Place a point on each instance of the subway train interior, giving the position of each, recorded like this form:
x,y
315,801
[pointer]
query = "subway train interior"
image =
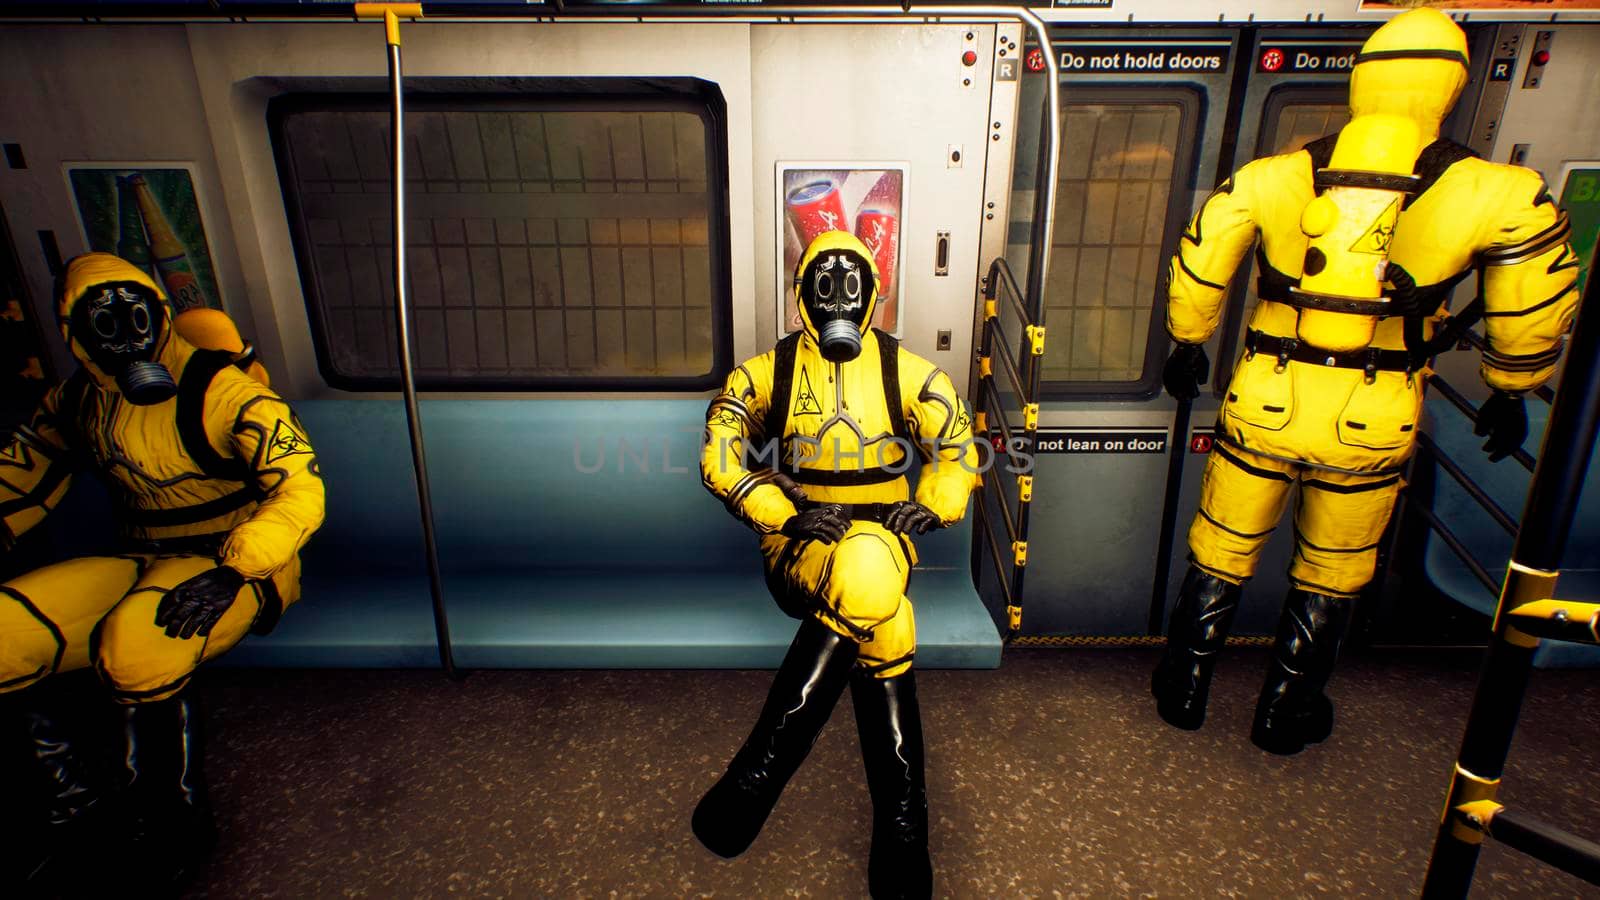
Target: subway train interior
x,y
407,586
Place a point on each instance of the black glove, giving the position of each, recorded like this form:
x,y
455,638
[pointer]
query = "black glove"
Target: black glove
x,y
1187,368
906,516
196,605
1504,420
826,523
1404,299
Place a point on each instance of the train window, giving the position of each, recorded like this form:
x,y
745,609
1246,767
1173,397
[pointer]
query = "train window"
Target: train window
x,y
1124,155
1292,117
572,242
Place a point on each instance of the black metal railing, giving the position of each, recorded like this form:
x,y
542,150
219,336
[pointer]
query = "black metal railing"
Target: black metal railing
x,y
1525,614
994,423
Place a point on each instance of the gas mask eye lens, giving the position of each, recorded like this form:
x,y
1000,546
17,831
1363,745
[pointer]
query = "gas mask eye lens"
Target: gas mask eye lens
x,y
140,316
104,322
852,284
824,285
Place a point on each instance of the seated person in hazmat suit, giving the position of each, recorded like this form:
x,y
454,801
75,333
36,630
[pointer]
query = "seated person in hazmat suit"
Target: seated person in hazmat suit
x,y
1328,390
216,489
842,410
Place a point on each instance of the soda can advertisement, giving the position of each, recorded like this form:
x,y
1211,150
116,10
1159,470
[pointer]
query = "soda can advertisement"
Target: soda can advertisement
x,y
879,229
866,199
815,208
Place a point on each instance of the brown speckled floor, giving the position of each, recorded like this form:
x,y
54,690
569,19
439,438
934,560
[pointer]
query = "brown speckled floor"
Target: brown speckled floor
x,y
1051,776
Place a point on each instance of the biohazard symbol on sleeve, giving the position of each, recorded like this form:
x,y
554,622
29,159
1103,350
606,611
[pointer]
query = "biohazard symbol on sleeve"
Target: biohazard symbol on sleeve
x,y
805,402
285,441
1378,235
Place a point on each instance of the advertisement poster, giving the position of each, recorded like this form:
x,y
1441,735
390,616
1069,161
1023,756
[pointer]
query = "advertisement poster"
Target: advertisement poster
x,y
1580,197
866,199
148,214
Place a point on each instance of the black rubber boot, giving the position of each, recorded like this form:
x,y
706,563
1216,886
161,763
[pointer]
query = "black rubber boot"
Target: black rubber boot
x,y
167,809
1293,710
802,697
890,726
1197,632
58,809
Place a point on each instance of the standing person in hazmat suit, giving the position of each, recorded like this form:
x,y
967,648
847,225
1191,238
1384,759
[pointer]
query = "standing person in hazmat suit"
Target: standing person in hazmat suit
x,y
1329,389
216,489
843,409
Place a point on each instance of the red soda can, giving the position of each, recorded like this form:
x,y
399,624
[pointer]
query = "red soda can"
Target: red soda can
x,y
815,208
879,229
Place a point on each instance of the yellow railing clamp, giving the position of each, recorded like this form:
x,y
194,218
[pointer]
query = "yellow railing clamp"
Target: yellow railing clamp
x,y
1467,789
1020,550
990,310
1030,416
390,13
1036,338
1563,620
983,422
1523,585
985,367
1014,616
1025,488
1477,816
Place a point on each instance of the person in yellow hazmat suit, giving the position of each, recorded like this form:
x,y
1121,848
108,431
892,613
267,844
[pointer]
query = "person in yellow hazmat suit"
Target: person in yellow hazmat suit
x,y
808,444
216,489
1328,390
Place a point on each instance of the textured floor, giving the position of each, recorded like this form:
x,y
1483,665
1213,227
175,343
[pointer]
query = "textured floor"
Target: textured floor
x,y
1051,776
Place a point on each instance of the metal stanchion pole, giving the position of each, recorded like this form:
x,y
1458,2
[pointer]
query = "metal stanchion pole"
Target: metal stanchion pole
x,y
391,24
1535,563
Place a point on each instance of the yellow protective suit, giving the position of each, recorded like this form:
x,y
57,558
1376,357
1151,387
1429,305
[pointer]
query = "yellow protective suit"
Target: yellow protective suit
x,y
1342,423
847,433
222,473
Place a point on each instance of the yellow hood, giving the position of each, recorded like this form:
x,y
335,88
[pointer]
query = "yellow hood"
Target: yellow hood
x,y
835,240
1414,66
87,272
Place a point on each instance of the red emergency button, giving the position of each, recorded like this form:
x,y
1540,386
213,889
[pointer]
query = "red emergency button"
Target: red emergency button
x,y
1540,57
969,58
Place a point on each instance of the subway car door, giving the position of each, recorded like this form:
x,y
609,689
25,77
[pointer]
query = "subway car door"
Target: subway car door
x,y
1143,125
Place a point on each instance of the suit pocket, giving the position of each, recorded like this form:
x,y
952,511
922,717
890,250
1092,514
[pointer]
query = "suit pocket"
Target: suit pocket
x,y
1381,415
1259,396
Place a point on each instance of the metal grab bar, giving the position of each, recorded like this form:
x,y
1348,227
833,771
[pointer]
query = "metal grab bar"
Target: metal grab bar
x,y
1459,401
991,411
1495,510
1456,546
1530,582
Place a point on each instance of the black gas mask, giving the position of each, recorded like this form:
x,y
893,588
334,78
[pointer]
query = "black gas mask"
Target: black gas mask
x,y
836,287
119,324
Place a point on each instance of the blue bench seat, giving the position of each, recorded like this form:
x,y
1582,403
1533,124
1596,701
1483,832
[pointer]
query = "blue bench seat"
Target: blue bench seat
x,y
549,563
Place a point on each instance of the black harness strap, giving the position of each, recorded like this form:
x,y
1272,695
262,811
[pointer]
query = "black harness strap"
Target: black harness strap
x,y
782,386
889,357
197,377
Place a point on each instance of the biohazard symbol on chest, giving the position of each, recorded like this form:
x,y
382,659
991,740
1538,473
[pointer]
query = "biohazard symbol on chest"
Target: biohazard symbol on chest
x,y
805,400
1376,238
15,454
285,441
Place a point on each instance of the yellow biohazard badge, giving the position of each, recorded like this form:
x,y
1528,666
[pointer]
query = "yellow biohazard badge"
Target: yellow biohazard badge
x,y
805,402
1375,239
285,441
